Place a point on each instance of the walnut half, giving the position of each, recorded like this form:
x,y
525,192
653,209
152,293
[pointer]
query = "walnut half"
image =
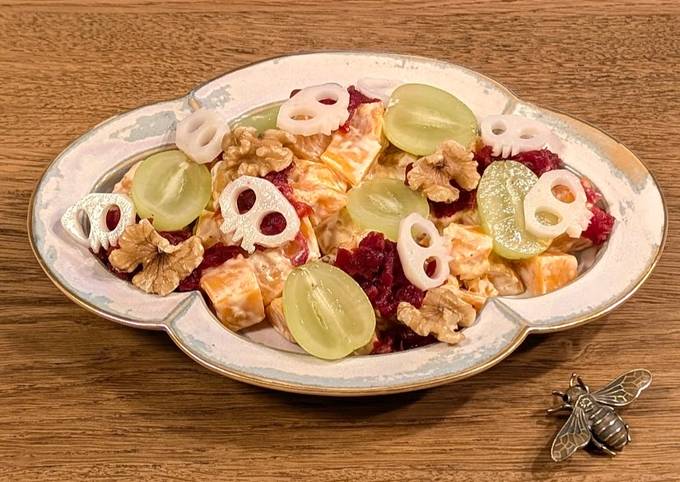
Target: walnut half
x,y
163,265
247,154
432,175
442,313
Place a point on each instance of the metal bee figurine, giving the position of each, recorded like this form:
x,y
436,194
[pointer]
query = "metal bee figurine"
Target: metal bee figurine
x,y
593,418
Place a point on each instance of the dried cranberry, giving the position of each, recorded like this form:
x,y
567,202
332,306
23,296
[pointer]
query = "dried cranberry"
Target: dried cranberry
x,y
103,256
112,218
273,223
245,201
539,161
484,158
356,98
600,227
191,282
218,253
280,180
213,256
399,338
375,265
466,200
592,196
177,237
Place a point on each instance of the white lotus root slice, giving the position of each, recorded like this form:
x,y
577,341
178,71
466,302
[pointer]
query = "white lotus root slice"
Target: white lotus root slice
x,y
304,114
511,134
377,88
413,256
96,206
245,228
572,218
200,135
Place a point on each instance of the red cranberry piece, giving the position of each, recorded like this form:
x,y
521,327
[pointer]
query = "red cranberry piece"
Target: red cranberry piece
x,y
176,237
484,158
280,180
540,161
273,223
592,196
112,218
245,201
600,227
375,265
466,200
213,256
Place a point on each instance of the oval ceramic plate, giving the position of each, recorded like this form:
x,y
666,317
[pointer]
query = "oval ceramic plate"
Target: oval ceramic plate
x,y
99,158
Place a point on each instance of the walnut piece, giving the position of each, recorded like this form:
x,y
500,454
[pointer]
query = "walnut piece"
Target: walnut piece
x,y
442,312
247,154
163,265
257,156
432,175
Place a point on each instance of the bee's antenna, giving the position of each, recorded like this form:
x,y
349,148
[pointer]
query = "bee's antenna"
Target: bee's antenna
x,y
557,393
572,380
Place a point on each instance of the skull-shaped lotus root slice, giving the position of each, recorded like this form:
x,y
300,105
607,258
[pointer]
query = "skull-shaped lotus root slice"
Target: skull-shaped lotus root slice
x,y
509,135
416,253
571,217
200,135
305,113
96,206
245,228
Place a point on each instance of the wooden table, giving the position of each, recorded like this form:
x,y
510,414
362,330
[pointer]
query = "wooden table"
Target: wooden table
x,y
85,398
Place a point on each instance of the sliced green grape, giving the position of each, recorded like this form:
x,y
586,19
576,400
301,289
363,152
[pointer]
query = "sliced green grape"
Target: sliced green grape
x,y
261,119
170,189
420,117
327,312
380,205
500,198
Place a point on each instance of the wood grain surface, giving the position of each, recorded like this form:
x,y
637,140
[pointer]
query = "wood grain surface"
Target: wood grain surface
x,y
84,398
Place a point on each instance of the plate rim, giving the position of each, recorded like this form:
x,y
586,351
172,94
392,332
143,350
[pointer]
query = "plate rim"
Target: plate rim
x,y
523,332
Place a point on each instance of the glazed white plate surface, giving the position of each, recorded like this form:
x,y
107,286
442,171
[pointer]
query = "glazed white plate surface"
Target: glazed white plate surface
x,y
99,158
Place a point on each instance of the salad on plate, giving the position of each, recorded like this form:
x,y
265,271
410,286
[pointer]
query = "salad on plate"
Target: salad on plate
x,y
361,220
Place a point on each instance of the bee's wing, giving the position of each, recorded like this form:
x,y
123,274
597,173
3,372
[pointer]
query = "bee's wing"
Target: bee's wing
x,y
574,435
624,389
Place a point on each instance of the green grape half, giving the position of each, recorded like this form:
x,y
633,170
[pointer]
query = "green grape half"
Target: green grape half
x,y
261,119
170,189
327,312
420,117
380,205
500,200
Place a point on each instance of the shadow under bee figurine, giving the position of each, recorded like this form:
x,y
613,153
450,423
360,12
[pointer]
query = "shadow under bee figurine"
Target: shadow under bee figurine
x,y
593,418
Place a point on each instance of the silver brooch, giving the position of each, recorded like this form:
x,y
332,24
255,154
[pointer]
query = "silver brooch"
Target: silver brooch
x,y
593,419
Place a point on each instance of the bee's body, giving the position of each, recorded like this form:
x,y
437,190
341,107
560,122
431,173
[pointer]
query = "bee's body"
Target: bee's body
x,y
593,418
606,426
